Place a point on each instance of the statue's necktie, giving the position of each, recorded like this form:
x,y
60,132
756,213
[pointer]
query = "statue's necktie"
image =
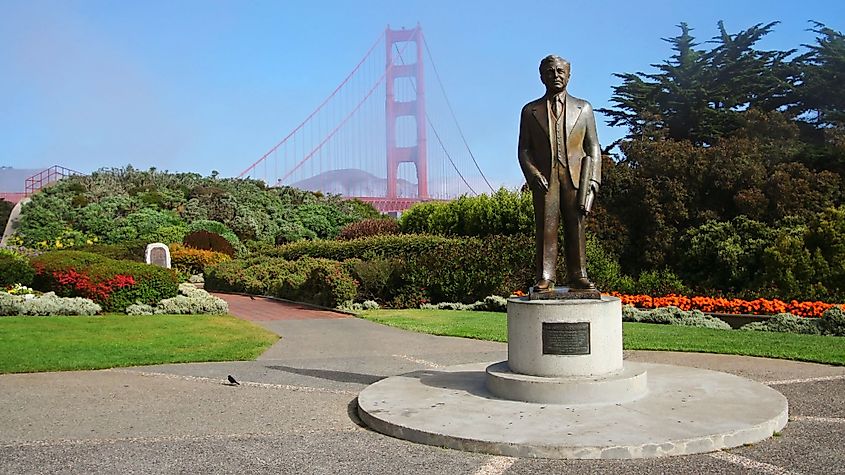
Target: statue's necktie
x,y
557,106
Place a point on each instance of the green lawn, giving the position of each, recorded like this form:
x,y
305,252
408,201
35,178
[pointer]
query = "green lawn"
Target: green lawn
x,y
29,344
636,336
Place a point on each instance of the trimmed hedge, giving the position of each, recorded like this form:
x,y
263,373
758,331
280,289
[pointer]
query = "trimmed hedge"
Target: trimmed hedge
x,y
133,250
318,281
111,283
421,269
410,270
369,227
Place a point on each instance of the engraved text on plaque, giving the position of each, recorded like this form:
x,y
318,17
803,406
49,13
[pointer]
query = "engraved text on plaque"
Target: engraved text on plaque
x,y
566,338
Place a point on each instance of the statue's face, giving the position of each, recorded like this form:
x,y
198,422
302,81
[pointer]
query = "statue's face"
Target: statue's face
x,y
555,76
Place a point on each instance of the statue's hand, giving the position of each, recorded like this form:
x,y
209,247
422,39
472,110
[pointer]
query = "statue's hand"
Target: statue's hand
x,y
541,182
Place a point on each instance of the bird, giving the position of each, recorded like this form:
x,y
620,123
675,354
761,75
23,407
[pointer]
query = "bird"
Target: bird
x,y
232,381
251,297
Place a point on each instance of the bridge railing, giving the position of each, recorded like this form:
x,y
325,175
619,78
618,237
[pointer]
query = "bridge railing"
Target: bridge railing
x,y
45,177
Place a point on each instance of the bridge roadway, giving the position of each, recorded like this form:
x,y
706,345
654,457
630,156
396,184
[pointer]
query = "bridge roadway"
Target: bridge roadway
x,y
295,411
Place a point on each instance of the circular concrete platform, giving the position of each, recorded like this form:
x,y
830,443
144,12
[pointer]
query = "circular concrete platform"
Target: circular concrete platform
x,y
627,385
685,411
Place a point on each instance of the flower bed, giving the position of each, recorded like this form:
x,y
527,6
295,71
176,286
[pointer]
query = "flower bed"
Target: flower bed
x,y
731,306
110,283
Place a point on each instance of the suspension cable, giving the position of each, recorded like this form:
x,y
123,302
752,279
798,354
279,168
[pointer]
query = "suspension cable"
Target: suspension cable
x,y
343,83
454,117
436,135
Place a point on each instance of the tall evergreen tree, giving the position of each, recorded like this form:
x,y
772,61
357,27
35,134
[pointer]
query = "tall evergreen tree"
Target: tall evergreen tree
x,y
697,94
821,94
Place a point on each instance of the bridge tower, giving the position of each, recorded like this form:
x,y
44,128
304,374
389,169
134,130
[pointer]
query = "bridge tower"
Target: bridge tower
x,y
415,108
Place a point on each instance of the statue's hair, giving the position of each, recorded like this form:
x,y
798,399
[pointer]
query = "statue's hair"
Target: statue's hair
x,y
552,59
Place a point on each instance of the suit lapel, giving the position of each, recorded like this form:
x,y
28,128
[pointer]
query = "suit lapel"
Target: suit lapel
x,y
573,111
541,112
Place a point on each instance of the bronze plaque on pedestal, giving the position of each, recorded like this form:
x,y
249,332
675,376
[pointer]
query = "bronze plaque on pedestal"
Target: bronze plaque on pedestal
x,y
566,338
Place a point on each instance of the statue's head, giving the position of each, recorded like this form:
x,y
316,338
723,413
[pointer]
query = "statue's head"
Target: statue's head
x,y
554,73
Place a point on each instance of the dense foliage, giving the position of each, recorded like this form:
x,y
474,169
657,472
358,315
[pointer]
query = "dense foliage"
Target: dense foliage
x,y
110,283
120,205
731,172
369,227
318,281
15,269
193,261
409,270
503,213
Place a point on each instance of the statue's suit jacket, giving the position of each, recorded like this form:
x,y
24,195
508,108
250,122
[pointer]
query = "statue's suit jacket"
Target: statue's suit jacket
x,y
535,148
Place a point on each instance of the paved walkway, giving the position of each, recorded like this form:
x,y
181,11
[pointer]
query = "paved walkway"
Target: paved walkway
x,y
294,411
256,309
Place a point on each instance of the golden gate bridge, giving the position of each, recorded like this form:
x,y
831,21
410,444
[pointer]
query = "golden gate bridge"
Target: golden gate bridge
x,y
373,139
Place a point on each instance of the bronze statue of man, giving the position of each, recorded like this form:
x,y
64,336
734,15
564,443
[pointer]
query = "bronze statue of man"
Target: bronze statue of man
x,y
560,156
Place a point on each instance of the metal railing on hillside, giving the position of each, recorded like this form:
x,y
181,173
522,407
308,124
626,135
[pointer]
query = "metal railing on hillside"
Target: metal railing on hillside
x,y
47,176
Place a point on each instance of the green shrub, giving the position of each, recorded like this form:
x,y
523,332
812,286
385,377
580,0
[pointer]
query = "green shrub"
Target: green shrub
x,y
318,281
504,212
833,322
191,301
114,284
377,278
291,231
434,268
194,261
46,305
673,316
331,283
169,234
367,228
726,255
129,250
786,323
323,219
15,269
662,282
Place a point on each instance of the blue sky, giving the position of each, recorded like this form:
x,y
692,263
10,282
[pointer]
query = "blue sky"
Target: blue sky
x,y
211,85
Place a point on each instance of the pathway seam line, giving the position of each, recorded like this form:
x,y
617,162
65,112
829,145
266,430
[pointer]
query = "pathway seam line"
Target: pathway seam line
x,y
805,380
832,420
202,379
751,464
496,465
423,362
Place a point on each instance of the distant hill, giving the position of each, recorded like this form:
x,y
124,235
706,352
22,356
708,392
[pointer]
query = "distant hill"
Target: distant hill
x,y
12,179
353,182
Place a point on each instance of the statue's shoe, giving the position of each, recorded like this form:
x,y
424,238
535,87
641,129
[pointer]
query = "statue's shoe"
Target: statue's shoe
x,y
544,284
581,283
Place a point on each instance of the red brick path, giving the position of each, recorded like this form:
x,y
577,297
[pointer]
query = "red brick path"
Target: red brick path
x,y
264,309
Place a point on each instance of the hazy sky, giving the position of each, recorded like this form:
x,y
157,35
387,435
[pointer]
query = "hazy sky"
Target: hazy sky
x,y
211,85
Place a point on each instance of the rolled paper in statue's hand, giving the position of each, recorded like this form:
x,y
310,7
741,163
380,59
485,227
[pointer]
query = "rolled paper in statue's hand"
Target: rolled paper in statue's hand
x,y
588,202
585,191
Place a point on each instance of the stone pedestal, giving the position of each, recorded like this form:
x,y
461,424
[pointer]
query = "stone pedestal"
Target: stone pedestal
x,y
563,338
566,352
